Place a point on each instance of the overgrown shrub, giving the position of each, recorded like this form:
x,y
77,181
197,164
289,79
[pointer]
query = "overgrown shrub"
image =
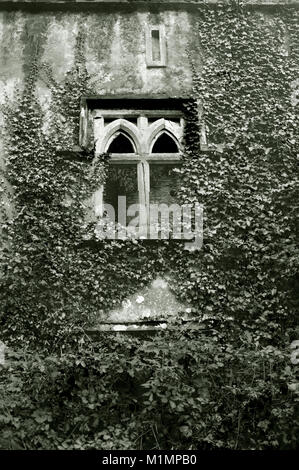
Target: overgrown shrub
x,y
180,390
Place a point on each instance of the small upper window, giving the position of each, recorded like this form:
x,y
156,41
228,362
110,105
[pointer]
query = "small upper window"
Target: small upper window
x,y
156,52
156,46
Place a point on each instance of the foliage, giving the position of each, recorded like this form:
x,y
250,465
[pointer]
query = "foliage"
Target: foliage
x,y
182,390
226,386
41,241
248,181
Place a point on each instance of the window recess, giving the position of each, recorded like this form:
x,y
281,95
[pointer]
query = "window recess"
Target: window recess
x,y
155,46
142,157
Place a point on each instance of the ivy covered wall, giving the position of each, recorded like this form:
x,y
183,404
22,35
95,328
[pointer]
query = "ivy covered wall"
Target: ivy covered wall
x,y
230,383
240,67
114,51
114,48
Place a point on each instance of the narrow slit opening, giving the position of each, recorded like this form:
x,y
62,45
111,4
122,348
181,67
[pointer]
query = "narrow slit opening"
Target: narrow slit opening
x,y
156,53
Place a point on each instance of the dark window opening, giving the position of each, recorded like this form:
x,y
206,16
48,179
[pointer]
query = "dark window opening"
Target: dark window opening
x,y
132,120
156,53
153,119
121,181
165,144
121,144
175,120
165,186
108,121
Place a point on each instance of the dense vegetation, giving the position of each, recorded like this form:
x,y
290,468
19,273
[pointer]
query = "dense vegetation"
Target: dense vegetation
x,y
229,384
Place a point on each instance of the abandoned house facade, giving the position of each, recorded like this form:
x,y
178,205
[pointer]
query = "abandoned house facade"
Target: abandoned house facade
x,y
138,55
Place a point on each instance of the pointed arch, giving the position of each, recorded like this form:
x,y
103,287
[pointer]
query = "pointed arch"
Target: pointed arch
x,y
163,126
120,142
129,130
164,143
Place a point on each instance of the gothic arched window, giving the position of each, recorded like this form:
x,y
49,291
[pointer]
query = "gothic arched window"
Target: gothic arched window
x,y
121,144
165,144
144,148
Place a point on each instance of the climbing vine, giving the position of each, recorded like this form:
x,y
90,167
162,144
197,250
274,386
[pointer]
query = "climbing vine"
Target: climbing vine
x,y
247,181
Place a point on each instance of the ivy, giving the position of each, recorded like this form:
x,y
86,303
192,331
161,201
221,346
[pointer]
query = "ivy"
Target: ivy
x,y
181,390
248,182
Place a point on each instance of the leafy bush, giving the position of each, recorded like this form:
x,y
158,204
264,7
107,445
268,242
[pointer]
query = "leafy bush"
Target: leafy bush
x,y
177,391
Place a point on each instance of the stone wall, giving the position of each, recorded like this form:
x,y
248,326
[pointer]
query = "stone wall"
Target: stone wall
x,y
115,48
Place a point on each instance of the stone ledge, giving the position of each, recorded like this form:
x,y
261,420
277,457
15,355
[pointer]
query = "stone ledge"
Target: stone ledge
x,y
140,328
